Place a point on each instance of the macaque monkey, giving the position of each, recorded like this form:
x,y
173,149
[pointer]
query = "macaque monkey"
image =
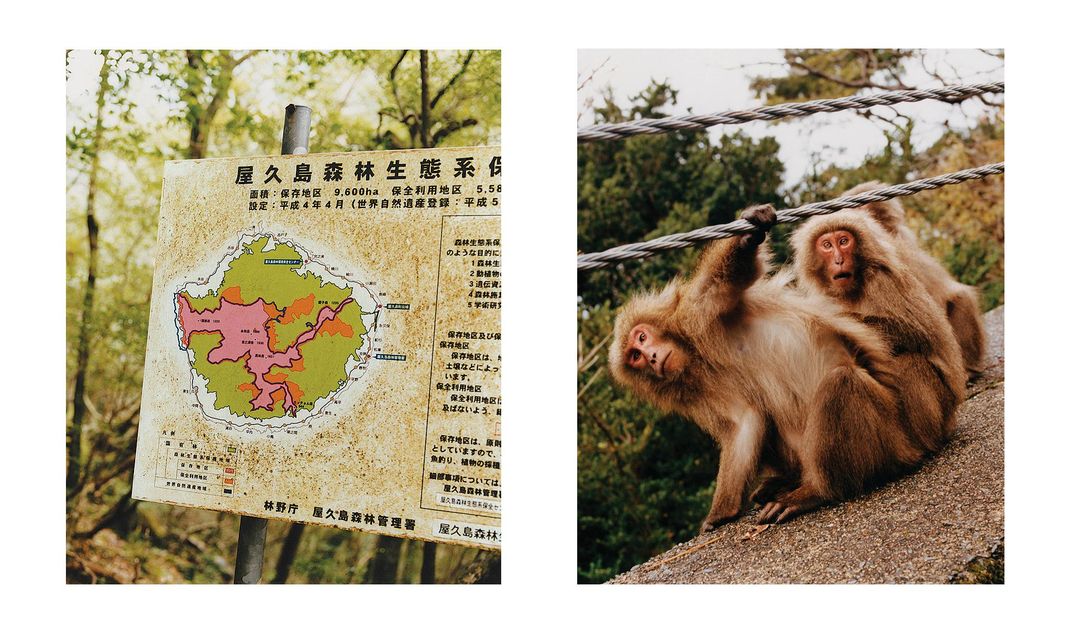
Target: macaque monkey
x,y
958,301
790,387
848,257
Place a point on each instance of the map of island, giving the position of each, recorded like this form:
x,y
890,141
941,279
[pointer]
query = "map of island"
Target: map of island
x,y
272,334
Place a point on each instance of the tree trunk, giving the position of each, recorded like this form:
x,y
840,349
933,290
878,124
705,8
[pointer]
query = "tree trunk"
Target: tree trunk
x,y
385,562
74,448
286,555
198,133
220,85
403,562
428,563
425,108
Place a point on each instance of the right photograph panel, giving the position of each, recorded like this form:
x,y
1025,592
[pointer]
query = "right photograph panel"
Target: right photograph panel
x,y
790,316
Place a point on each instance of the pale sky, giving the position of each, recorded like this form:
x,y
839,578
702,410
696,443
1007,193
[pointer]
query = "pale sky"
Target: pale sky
x,y
711,81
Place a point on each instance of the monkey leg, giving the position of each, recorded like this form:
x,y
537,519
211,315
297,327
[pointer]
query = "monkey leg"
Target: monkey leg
x,y
962,310
854,437
779,470
928,404
737,464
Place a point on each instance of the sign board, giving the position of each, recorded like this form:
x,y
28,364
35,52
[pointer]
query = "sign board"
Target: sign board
x,y
324,342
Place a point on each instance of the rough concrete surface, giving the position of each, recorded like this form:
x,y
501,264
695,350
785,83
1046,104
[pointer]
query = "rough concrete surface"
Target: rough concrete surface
x,y
926,527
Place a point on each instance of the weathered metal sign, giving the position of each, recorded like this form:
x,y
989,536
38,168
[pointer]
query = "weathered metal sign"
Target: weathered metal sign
x,y
324,342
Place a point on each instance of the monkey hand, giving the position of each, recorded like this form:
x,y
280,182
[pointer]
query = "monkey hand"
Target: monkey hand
x,y
762,218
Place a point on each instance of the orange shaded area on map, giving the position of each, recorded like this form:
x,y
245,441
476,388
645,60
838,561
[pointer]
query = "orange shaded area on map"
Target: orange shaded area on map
x,y
276,377
299,308
295,391
336,327
233,294
248,387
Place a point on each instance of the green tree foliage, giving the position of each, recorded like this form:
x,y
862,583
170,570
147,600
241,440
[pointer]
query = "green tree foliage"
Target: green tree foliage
x,y
432,100
644,478
651,186
819,74
129,111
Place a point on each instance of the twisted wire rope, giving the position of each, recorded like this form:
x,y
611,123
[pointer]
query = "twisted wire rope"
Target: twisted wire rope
x,y
681,240
613,132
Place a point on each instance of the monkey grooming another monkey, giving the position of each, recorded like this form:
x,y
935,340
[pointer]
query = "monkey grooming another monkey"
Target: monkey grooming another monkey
x,y
848,257
958,301
786,384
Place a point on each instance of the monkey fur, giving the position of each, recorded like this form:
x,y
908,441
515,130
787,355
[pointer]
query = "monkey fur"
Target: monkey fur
x,y
886,295
959,301
796,393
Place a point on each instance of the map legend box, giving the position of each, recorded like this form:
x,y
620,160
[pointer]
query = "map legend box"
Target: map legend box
x,y
194,466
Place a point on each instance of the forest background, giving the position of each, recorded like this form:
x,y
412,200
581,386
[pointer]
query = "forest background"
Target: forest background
x,y
645,478
127,112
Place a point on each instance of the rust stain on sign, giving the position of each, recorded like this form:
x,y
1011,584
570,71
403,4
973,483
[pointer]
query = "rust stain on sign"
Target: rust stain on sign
x,y
324,342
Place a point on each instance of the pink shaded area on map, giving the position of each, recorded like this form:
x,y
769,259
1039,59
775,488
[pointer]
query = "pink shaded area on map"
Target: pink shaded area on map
x,y
244,331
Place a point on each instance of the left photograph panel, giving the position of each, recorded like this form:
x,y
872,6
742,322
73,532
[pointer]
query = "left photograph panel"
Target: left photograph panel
x,y
283,316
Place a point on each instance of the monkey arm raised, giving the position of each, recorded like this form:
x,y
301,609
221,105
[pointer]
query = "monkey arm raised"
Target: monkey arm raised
x,y
729,266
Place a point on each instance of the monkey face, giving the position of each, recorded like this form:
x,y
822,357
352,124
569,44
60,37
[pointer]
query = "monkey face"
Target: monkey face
x,y
836,251
651,352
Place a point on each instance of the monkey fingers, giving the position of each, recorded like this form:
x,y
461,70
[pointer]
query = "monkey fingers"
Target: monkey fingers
x,y
788,505
775,512
762,218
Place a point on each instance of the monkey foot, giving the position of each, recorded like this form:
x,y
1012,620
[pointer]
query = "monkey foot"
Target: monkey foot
x,y
775,512
712,522
771,488
786,506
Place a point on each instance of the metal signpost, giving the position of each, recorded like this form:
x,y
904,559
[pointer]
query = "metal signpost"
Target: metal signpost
x,y
252,531
324,343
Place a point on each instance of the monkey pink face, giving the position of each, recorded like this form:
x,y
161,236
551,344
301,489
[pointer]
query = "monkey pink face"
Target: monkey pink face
x,y
650,352
837,250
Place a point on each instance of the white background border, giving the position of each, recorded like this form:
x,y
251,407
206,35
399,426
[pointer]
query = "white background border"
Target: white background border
x,y
539,42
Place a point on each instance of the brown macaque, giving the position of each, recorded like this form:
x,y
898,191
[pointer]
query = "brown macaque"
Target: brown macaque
x,y
959,301
848,257
792,389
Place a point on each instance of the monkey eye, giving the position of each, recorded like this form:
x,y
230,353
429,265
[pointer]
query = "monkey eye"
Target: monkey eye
x,y
642,337
634,355
826,244
844,241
